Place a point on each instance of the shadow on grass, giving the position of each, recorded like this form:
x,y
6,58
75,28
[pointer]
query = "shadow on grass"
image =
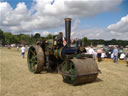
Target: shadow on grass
x,y
96,81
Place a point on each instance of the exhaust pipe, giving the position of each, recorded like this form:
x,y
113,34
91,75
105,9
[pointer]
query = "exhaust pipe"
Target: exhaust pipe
x,y
68,30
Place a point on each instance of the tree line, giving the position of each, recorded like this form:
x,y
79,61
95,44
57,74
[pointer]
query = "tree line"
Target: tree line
x,y
7,38
106,42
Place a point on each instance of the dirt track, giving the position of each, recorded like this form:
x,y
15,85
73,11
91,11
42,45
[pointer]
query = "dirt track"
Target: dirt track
x,y
16,80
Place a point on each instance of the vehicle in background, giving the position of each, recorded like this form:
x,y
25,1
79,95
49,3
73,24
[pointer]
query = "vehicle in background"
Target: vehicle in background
x,y
122,56
109,52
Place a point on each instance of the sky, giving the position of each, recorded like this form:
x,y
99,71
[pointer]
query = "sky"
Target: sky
x,y
94,19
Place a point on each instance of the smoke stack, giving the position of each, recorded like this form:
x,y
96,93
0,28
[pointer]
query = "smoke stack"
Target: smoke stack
x,y
68,30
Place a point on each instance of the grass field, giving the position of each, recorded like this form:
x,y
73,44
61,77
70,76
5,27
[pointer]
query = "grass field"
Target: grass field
x,y
16,80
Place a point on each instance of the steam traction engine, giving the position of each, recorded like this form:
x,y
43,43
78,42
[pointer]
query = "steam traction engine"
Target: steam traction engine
x,y
72,63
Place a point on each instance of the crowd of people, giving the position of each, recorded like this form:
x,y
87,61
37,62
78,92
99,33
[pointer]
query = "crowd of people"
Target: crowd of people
x,y
99,53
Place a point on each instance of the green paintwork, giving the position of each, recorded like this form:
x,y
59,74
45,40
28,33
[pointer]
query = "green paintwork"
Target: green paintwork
x,y
49,47
32,60
69,68
57,53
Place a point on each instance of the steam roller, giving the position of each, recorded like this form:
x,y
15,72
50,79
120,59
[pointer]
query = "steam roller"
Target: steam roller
x,y
79,71
57,55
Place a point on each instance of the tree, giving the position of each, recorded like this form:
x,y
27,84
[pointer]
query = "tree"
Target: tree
x,y
1,37
8,38
49,36
113,41
85,41
37,35
24,39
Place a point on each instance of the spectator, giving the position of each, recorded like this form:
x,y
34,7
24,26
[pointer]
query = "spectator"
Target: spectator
x,y
103,55
115,55
17,48
92,52
109,52
112,56
23,51
99,52
87,49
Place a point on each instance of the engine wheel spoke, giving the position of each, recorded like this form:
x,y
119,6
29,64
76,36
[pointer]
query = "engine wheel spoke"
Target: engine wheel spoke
x,y
35,63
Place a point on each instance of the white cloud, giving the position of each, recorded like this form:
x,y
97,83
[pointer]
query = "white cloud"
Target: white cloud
x,y
45,33
91,33
76,24
119,27
43,16
55,33
90,7
99,33
113,31
14,19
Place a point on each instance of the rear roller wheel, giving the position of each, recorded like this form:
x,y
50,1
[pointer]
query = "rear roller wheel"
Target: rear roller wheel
x,y
35,59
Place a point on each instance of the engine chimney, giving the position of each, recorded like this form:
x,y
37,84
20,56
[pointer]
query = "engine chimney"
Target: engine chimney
x,y
68,30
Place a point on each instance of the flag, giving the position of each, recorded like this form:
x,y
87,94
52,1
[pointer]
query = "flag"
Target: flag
x,y
64,41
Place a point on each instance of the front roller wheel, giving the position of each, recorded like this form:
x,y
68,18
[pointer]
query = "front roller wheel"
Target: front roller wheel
x,y
35,59
79,71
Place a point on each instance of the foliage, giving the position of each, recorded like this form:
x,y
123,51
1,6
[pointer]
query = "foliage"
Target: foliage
x,y
1,37
49,36
37,35
85,41
8,38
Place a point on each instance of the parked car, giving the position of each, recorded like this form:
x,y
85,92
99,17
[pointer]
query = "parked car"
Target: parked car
x,y
122,56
